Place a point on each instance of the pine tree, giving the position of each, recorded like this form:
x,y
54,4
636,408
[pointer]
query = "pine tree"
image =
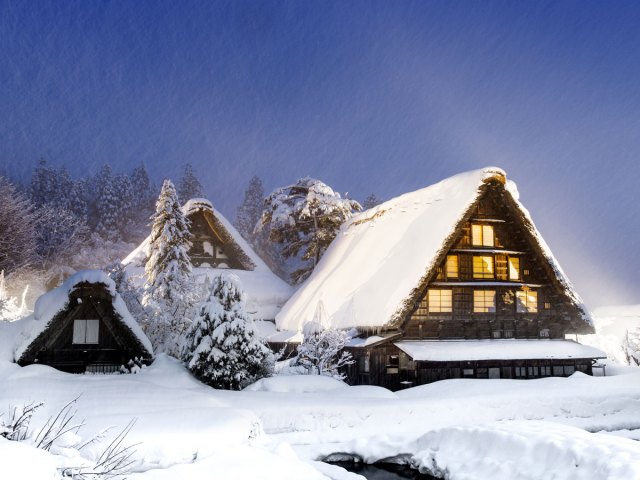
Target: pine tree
x,y
189,186
43,187
106,205
305,217
143,199
248,214
371,201
168,289
221,346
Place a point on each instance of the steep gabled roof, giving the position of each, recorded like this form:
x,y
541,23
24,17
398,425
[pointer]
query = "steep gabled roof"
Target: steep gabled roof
x,y
50,304
266,292
376,266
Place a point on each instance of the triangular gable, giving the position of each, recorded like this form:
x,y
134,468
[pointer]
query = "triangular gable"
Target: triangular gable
x,y
378,265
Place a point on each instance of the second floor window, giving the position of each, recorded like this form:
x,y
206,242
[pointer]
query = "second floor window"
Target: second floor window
x,y
514,268
482,235
526,301
482,267
440,300
484,301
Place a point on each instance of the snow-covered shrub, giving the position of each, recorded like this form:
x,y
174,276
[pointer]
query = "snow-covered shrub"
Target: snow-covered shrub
x,y
320,350
305,217
222,347
135,365
10,310
169,286
631,347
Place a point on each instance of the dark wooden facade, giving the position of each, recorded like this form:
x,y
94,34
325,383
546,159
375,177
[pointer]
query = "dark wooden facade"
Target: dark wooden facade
x,y
491,280
212,244
116,344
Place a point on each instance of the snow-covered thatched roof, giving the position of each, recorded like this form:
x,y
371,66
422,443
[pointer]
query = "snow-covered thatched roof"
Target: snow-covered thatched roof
x,y
266,292
380,257
53,302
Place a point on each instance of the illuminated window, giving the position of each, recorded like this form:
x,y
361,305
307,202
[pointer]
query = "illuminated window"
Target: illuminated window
x,y
440,300
482,235
452,266
484,301
526,301
482,267
85,331
514,268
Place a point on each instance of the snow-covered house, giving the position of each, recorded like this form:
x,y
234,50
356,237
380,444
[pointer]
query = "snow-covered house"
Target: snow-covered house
x,y
82,326
449,281
216,247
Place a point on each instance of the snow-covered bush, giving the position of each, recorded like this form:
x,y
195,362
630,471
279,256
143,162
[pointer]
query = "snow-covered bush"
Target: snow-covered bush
x,y
222,347
305,217
169,286
320,350
631,347
9,308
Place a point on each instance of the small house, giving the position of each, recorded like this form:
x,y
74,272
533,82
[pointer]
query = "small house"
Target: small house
x,y
82,326
216,247
451,281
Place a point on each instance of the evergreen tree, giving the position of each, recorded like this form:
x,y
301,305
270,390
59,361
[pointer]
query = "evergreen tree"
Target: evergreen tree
x,y
168,289
106,205
43,187
143,200
221,347
189,186
248,214
371,201
305,217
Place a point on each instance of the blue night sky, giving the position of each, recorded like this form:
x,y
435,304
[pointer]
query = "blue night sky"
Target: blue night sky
x,y
382,97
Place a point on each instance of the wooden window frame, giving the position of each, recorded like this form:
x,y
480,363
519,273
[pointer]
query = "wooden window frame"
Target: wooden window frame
x,y
81,330
481,262
434,294
483,235
452,271
480,301
524,300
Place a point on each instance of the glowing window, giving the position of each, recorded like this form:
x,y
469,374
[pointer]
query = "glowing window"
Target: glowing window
x,y
482,235
452,266
484,301
514,268
85,331
482,267
440,300
526,301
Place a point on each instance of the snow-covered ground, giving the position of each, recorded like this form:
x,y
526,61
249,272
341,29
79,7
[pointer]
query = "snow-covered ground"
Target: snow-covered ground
x,y
579,427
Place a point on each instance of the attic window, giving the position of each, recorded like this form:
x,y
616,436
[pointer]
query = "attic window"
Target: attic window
x,y
482,235
85,332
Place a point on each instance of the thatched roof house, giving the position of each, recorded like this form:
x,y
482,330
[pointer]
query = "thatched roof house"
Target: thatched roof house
x,y
82,326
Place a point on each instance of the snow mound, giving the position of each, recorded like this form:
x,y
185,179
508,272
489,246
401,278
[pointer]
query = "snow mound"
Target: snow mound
x,y
296,384
22,461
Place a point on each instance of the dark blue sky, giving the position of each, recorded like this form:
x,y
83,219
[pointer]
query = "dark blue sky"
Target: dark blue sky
x,y
381,97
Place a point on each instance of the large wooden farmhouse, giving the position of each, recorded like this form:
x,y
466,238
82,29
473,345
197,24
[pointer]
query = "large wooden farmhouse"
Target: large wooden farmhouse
x,y
82,326
451,281
217,246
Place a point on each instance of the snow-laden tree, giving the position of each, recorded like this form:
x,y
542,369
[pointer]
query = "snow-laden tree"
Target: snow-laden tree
x,y
9,308
248,214
631,346
305,217
106,205
17,229
321,351
143,198
169,284
59,233
189,186
222,347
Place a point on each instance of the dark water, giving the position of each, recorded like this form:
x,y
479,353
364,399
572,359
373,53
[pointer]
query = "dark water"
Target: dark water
x,y
384,471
